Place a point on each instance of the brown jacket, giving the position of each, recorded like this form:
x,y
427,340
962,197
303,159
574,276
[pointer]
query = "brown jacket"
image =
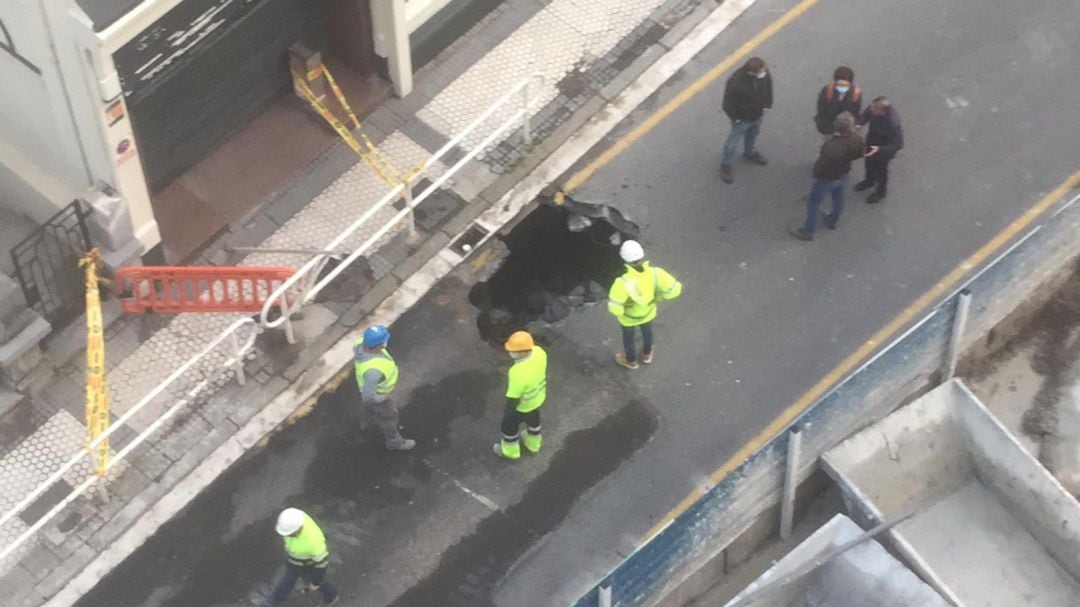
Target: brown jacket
x,y
837,153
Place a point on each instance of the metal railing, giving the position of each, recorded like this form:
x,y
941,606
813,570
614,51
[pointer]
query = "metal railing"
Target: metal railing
x,y
304,285
235,360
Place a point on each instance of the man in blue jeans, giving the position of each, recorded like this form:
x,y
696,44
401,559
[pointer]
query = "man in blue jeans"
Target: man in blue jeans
x,y
830,175
747,94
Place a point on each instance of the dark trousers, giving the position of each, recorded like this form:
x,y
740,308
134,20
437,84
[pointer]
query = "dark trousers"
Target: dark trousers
x,y
818,191
629,345
877,171
512,420
310,575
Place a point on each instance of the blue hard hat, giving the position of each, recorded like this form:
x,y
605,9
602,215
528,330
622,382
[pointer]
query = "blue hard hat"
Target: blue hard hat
x,y
376,336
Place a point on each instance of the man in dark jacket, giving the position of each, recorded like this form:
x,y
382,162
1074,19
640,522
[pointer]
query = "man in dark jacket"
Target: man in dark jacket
x,y
830,175
841,95
747,95
884,139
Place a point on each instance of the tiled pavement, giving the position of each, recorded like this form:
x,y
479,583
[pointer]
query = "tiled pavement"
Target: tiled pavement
x,y
579,46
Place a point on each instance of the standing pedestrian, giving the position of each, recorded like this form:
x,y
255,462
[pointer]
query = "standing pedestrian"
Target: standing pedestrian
x,y
376,376
632,300
747,94
884,139
830,175
840,95
306,557
526,390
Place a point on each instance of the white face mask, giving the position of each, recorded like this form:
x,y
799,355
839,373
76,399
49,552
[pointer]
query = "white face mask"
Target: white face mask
x,y
761,74
517,355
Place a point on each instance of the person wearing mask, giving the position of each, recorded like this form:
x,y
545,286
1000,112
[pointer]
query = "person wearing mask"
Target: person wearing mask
x,y
306,558
632,301
884,139
526,391
830,175
747,94
840,95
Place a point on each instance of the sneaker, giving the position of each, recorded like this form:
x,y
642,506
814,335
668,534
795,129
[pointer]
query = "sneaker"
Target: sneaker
x,y
401,444
863,185
876,197
801,235
648,358
725,174
830,223
629,364
756,158
334,602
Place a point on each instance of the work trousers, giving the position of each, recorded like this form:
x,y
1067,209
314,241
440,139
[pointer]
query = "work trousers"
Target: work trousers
x,y
512,420
386,416
310,575
629,340
877,171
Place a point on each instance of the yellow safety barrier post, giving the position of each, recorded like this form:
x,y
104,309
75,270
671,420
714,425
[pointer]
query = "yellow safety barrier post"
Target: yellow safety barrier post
x,y
97,391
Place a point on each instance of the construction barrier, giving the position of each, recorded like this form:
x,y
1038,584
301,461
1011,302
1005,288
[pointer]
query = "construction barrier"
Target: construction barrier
x,y
145,289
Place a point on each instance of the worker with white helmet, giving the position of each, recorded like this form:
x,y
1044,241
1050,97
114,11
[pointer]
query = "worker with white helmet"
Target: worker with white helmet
x,y
377,376
526,391
632,300
306,557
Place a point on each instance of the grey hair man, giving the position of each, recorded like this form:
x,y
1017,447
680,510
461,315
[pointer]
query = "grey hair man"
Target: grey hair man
x,y
830,175
884,139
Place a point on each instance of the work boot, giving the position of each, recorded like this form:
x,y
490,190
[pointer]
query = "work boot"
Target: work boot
x,y
863,185
505,450
801,234
756,158
400,444
876,197
725,174
532,441
647,358
629,364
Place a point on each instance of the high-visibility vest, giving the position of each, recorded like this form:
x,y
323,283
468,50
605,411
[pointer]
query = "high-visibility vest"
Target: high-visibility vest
x,y
528,380
307,548
385,364
632,298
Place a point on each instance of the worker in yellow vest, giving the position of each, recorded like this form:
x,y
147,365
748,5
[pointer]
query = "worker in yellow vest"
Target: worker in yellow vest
x,y
632,300
306,557
526,390
377,376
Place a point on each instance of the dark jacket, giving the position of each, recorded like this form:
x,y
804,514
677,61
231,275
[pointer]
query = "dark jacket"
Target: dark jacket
x,y
830,104
747,97
885,132
837,154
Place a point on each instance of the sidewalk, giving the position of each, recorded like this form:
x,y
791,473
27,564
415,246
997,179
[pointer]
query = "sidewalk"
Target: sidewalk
x,y
587,51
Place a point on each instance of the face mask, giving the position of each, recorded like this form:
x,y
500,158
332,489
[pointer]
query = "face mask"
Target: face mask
x,y
761,74
842,89
516,355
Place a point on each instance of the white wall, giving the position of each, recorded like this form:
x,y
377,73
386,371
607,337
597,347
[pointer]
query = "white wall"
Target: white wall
x,y
38,144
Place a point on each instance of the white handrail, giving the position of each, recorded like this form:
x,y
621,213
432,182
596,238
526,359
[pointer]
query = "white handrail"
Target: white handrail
x,y
307,274
240,351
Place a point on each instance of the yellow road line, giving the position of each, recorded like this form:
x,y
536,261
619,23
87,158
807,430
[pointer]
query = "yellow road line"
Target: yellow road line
x,y
916,309
685,95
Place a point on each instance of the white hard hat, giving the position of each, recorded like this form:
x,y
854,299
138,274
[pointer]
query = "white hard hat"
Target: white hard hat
x,y
631,251
289,521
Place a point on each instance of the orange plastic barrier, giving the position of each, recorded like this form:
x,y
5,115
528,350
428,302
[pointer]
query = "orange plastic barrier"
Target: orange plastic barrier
x,y
197,288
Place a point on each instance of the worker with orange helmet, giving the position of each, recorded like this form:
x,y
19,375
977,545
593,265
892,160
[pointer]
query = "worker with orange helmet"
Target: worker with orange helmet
x,y
526,390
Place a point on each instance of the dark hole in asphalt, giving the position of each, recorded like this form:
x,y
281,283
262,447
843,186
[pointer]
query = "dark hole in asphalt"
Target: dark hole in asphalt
x,y
550,270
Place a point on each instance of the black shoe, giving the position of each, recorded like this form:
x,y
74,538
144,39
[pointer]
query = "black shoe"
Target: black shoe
x,y
876,197
725,174
801,235
830,223
863,185
756,158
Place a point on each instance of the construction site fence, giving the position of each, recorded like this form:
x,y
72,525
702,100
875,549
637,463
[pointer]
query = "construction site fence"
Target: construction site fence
x,y
305,284
685,557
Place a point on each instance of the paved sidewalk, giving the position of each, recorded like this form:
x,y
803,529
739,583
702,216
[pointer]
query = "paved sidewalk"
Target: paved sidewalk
x,y
587,51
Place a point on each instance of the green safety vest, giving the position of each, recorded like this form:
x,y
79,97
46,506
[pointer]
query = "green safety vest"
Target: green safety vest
x,y
632,298
528,380
307,548
386,365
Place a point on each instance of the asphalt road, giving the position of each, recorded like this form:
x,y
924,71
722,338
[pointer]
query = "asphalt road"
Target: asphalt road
x,y
988,96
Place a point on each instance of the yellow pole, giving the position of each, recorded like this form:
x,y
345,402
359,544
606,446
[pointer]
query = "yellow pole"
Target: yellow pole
x,y
97,391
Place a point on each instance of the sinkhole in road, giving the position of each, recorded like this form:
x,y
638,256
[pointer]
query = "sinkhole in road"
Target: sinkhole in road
x,y
560,258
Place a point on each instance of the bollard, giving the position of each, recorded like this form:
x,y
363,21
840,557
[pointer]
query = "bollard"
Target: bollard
x,y
952,353
791,473
604,597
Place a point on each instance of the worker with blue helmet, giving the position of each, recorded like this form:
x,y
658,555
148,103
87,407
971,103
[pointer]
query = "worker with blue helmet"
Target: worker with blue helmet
x,y
377,376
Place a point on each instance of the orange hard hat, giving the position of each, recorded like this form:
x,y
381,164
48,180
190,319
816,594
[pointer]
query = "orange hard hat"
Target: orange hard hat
x,y
520,341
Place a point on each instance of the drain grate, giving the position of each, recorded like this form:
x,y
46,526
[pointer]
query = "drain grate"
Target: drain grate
x,y
468,241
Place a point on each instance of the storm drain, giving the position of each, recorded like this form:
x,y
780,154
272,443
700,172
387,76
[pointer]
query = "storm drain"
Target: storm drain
x,y
558,261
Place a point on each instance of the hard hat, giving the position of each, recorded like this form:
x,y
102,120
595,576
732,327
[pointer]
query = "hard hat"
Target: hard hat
x,y
631,251
520,341
376,336
289,521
